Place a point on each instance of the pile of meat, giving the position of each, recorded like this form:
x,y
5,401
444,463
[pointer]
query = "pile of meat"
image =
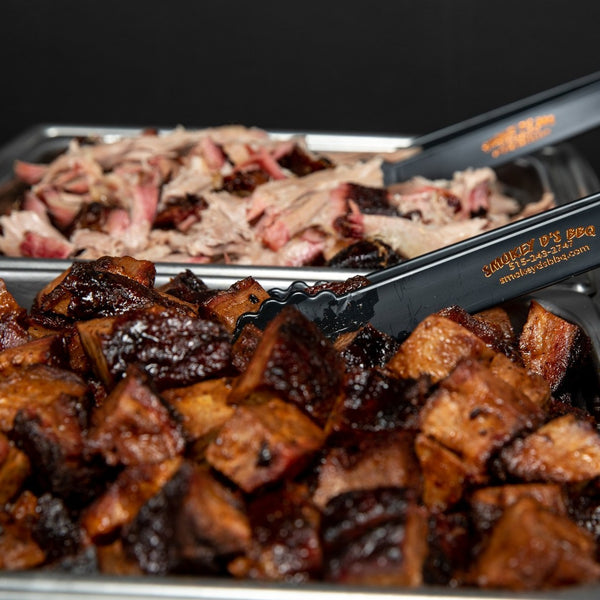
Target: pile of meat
x,y
137,436
238,195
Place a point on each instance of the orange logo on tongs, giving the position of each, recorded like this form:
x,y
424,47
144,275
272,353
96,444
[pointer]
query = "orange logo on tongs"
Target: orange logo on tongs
x,y
525,132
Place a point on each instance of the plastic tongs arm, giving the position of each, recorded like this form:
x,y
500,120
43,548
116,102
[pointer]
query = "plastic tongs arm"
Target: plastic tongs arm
x,y
475,274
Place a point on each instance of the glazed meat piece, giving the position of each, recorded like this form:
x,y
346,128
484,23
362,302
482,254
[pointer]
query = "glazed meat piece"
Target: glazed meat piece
x,y
14,469
474,413
365,254
372,461
133,425
297,362
48,350
125,496
264,442
366,347
188,287
374,537
532,547
13,320
285,543
566,449
193,523
173,349
376,400
550,345
435,347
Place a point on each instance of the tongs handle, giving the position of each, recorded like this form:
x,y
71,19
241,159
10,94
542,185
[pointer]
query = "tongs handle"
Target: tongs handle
x,y
478,273
503,134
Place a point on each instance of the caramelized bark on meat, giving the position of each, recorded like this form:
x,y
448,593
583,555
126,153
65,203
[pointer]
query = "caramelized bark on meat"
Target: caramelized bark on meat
x,y
297,362
173,349
244,346
134,425
375,460
566,449
374,537
376,400
99,289
124,497
188,287
13,320
14,469
338,287
301,162
192,524
366,255
532,547
493,327
262,443
228,305
435,347
285,543
18,548
474,413
550,345
367,347
48,350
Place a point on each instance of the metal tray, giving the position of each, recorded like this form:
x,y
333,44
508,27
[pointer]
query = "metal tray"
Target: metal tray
x,y
24,279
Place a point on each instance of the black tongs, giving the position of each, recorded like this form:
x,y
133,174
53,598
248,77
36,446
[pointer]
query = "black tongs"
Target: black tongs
x,y
503,134
483,271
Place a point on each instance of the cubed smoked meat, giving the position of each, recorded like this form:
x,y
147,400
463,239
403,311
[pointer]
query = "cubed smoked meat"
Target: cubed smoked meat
x,y
14,469
48,350
533,548
228,305
534,386
374,537
474,413
202,408
262,443
285,543
123,498
113,560
18,548
244,346
550,345
54,530
13,320
297,362
194,524
38,385
86,292
494,330
134,425
173,349
489,503
376,460
377,400
584,508
366,347
435,347
188,287
445,474
53,439
565,449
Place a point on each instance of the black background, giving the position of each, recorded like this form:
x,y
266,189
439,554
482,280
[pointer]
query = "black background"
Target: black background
x,y
374,66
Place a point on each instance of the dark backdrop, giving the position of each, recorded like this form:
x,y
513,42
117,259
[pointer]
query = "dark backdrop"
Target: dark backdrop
x,y
362,66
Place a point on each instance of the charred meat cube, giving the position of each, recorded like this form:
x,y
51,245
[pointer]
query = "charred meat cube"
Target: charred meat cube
x,y
297,362
565,449
489,503
377,400
14,469
18,548
244,346
435,347
550,345
202,408
48,350
285,543
262,443
474,413
134,425
13,320
227,306
124,497
375,460
374,537
36,386
173,349
366,347
188,287
445,474
92,290
533,548
583,505
193,524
